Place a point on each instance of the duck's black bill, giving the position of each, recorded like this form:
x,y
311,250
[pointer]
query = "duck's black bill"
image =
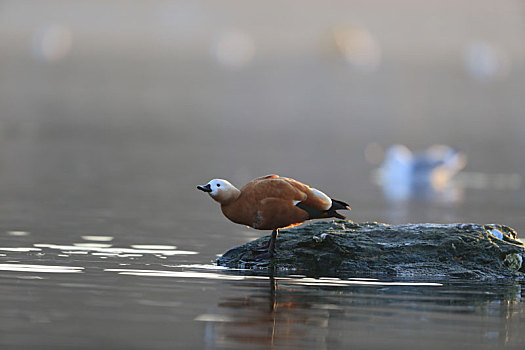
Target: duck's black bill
x,y
206,188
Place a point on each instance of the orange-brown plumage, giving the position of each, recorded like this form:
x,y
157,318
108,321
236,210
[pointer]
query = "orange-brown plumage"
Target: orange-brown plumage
x,y
272,202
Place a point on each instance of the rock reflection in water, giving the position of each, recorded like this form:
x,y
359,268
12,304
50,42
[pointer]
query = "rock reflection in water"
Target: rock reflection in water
x,y
284,311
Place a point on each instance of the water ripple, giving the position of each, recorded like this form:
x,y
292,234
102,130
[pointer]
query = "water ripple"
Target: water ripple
x,y
323,281
182,274
100,248
40,268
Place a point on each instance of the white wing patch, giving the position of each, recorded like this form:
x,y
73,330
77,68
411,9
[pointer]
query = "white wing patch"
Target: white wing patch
x,y
322,197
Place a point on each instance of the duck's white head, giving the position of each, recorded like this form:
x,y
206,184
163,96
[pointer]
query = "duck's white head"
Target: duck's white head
x,y
221,190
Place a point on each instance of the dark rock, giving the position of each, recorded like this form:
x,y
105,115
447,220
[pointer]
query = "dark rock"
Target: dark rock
x,y
345,248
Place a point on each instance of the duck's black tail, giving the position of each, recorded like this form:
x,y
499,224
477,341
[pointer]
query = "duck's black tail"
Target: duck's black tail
x,y
336,205
324,214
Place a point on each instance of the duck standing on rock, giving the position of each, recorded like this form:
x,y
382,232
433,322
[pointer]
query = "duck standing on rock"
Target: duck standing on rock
x,y
272,202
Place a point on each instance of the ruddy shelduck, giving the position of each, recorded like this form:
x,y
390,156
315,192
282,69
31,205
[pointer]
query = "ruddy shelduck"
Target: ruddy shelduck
x,y
272,202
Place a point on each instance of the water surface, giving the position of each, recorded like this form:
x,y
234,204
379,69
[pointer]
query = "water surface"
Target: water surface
x,y
111,114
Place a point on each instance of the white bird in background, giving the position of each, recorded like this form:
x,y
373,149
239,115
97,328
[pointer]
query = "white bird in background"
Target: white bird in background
x,y
405,174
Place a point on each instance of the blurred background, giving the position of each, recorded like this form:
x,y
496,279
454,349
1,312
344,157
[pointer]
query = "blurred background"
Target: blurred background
x,y
112,112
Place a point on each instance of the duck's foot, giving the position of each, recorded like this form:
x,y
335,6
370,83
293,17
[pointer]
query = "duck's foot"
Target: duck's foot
x,y
264,256
270,249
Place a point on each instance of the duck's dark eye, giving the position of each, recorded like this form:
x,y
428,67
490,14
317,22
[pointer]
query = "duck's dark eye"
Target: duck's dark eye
x,y
218,185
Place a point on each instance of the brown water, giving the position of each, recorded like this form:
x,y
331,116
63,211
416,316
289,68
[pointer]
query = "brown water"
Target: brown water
x,y
110,115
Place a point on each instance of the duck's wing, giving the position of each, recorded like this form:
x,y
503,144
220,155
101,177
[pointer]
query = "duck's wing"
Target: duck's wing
x,y
315,199
272,186
267,202
291,195
317,204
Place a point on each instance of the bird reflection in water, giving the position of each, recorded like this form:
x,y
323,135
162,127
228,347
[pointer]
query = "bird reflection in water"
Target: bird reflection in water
x,y
275,315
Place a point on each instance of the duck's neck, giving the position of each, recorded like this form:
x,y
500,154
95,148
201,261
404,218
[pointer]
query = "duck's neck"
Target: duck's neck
x,y
227,198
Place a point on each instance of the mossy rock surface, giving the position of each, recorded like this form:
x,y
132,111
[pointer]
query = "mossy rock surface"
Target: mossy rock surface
x,y
346,249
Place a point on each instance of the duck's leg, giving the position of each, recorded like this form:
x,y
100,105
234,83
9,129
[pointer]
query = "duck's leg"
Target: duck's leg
x,y
271,244
271,247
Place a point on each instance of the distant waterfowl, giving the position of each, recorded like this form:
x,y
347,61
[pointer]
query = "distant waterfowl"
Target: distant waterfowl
x,y
405,174
272,202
